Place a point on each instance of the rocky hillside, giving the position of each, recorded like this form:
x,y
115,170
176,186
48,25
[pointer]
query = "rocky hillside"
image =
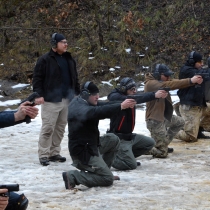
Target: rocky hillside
x,y
126,35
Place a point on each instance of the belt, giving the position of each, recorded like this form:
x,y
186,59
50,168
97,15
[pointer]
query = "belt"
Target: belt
x,y
188,107
196,107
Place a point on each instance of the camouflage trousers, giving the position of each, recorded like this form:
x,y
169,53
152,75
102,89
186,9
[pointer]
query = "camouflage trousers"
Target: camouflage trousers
x,y
163,133
176,108
194,118
205,119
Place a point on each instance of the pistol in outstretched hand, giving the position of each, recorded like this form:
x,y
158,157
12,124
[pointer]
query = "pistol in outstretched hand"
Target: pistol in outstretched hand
x,y
203,75
31,98
167,89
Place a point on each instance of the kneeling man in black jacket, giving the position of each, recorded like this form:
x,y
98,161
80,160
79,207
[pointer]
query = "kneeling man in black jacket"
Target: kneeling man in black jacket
x,y
132,145
91,154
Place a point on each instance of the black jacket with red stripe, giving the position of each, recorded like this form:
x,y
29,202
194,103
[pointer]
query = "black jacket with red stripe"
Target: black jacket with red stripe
x,y
124,121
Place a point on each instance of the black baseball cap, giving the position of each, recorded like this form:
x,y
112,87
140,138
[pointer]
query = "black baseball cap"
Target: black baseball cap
x,y
163,69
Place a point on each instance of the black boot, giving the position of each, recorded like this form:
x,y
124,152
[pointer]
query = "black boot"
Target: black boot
x,y
138,163
201,135
170,150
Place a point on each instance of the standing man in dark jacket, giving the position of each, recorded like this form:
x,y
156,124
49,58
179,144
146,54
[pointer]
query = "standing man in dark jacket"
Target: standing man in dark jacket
x,y
91,154
122,124
192,100
55,79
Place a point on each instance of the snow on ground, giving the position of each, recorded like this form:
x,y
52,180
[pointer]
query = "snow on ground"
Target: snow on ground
x,y
179,182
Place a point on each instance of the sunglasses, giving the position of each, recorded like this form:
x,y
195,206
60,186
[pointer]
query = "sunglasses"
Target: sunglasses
x,y
133,89
200,62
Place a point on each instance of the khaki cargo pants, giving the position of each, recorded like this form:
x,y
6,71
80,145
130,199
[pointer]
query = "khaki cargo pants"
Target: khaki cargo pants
x,y
54,120
192,117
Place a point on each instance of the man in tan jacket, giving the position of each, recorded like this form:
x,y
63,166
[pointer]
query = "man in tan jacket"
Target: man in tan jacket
x,y
161,122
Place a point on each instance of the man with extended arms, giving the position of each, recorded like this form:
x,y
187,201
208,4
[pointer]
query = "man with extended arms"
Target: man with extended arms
x,y
161,122
192,99
91,153
122,124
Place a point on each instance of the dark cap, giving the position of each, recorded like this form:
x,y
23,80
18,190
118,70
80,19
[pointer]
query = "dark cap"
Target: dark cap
x,y
163,69
59,37
91,87
197,57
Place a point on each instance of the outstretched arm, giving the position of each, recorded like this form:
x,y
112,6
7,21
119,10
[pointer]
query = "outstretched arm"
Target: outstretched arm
x,y
25,110
161,94
10,118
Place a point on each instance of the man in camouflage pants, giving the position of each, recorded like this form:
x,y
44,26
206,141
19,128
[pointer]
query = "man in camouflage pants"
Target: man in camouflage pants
x,y
205,119
192,100
161,122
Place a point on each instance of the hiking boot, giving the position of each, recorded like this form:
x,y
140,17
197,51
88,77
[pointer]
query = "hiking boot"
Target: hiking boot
x,y
138,163
159,156
44,161
154,151
116,178
170,150
162,155
57,158
68,186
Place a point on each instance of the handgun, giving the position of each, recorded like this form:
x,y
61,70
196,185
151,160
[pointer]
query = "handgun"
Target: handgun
x,y
31,98
203,75
9,187
165,88
132,97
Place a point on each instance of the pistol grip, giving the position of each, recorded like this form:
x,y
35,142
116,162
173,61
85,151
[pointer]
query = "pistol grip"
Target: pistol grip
x,y
28,119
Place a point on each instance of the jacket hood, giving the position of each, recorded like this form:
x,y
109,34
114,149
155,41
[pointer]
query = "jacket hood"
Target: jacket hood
x,y
148,77
188,64
116,90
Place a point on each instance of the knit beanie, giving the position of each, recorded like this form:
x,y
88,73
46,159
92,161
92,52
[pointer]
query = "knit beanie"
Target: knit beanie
x,y
127,83
92,88
59,37
197,57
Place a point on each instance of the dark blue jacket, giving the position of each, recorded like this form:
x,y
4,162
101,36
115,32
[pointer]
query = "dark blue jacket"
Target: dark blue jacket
x,y
192,95
124,122
7,119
